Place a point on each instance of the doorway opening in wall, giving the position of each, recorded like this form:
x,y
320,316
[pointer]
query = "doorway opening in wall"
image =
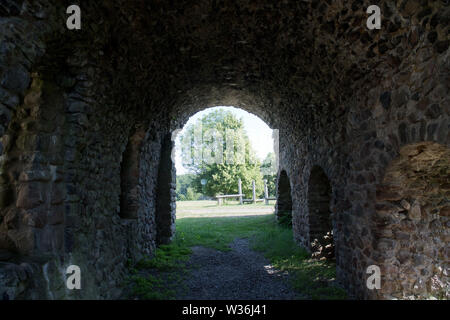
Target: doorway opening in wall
x,y
226,171
320,225
320,218
225,164
284,203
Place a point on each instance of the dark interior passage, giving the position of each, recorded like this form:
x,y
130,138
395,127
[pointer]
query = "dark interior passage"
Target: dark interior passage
x,y
75,188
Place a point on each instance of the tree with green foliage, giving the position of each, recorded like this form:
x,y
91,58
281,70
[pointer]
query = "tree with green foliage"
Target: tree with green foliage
x,y
184,189
223,179
192,195
218,137
217,150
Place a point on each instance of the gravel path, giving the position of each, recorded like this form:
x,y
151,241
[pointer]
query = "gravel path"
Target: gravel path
x,y
237,274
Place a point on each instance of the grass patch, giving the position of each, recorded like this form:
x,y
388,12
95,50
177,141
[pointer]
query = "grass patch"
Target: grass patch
x,y
150,288
167,257
217,233
309,277
159,277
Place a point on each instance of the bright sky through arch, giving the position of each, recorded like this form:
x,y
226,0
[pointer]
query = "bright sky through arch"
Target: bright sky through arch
x,y
258,132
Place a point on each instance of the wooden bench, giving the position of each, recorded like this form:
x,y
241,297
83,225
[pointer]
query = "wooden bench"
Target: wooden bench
x,y
221,197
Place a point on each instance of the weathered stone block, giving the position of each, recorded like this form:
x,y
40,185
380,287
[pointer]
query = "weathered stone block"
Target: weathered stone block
x,y
56,215
34,175
9,99
445,211
27,142
23,239
410,7
405,204
38,217
16,78
387,193
415,213
58,193
30,195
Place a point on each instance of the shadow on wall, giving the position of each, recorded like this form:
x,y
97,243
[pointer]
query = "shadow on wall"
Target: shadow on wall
x,y
411,223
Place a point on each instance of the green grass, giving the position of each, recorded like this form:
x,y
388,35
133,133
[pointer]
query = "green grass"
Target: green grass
x,y
157,278
150,288
310,278
167,257
217,233
196,204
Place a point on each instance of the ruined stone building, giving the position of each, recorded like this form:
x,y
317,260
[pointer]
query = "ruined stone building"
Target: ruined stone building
x,y
86,118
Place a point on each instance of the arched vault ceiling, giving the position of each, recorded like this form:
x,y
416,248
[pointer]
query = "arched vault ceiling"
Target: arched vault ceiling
x,y
314,51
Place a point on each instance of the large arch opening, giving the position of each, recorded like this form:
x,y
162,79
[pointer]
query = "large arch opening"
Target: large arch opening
x,y
320,217
238,158
224,164
411,229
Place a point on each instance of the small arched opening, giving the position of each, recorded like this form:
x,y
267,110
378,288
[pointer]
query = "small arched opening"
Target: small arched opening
x,y
320,218
284,200
165,189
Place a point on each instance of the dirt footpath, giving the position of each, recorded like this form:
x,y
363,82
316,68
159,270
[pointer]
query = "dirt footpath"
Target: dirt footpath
x,y
239,274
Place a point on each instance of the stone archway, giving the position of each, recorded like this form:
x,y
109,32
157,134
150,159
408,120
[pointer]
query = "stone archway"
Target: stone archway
x,y
284,199
320,218
411,224
341,95
222,98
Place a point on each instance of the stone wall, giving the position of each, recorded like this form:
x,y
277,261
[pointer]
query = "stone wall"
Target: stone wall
x,y
65,134
344,98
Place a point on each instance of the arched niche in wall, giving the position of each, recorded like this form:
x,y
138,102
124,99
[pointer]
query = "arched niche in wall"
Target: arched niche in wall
x,y
166,193
284,199
129,176
411,223
320,218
